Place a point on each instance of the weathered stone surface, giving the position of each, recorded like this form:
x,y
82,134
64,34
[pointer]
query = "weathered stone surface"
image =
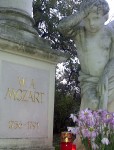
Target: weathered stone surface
x,y
24,5
25,144
29,148
95,44
16,26
27,64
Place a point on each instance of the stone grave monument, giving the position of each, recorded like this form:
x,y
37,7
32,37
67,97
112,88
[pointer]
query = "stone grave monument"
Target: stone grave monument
x,y
95,50
27,78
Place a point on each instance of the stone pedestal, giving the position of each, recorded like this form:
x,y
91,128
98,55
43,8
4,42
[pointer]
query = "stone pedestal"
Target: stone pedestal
x,y
22,5
27,79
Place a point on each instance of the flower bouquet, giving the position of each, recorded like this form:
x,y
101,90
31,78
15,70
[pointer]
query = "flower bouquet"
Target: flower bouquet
x,y
95,128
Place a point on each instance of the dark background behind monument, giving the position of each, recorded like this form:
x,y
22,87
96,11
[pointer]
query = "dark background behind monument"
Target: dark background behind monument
x,y
47,15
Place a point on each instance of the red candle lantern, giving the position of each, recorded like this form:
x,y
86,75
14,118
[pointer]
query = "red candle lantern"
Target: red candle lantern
x,y
66,141
73,147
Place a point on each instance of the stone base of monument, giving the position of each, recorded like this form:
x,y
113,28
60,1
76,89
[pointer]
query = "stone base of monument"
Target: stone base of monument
x,y
23,144
26,97
27,83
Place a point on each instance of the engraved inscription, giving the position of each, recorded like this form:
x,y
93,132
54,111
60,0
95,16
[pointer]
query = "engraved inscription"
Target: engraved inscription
x,y
30,125
24,94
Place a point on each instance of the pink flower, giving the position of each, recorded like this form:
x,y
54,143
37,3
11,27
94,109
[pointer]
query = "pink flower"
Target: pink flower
x,y
93,125
85,114
89,132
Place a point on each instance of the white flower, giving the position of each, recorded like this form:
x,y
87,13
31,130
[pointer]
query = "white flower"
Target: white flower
x,y
105,141
73,117
72,129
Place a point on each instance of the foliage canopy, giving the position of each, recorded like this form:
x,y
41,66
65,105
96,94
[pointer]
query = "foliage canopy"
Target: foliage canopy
x,y
47,14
